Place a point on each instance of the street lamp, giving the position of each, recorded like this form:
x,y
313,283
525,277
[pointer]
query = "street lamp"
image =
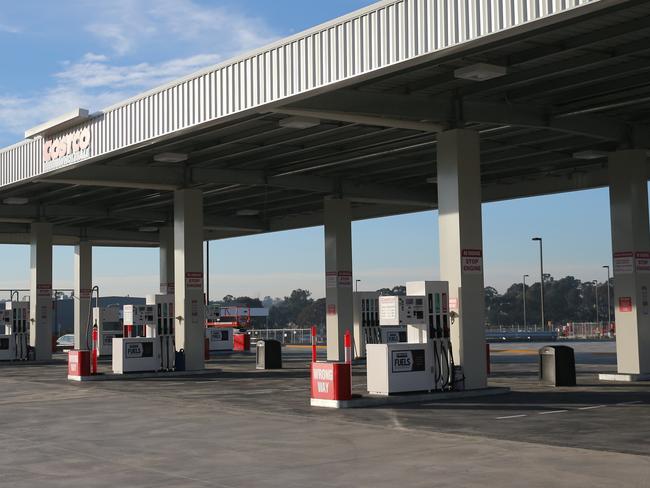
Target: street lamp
x,y
541,274
595,282
524,286
356,285
609,305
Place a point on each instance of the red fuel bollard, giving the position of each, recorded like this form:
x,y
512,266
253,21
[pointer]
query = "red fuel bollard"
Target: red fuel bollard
x,y
94,351
348,347
313,344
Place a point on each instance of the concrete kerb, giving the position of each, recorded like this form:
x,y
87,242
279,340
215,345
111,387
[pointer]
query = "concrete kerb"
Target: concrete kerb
x,y
624,377
378,401
139,376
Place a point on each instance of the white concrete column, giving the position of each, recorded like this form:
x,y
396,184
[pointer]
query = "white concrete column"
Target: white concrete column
x,y
166,260
188,272
40,293
628,196
338,275
461,248
83,284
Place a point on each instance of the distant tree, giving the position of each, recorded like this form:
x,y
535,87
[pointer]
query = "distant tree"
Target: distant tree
x,y
312,314
396,290
286,312
565,300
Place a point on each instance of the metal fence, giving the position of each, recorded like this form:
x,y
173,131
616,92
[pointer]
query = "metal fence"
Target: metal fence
x,y
572,330
587,330
286,336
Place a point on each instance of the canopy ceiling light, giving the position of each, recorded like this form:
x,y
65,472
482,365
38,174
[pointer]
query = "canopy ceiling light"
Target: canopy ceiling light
x,y
248,212
480,72
16,201
170,157
299,122
589,154
150,228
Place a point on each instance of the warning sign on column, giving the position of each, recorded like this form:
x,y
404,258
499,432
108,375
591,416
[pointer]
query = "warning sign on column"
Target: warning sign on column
x,y
625,304
345,279
44,289
330,279
642,262
472,261
624,262
194,279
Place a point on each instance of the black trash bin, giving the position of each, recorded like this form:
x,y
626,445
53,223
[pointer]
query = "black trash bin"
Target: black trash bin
x,y
179,363
269,355
557,366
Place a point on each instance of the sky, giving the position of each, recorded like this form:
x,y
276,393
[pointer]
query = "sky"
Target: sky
x,y
57,56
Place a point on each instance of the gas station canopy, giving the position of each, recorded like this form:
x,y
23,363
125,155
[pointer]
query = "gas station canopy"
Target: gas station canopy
x,y
348,109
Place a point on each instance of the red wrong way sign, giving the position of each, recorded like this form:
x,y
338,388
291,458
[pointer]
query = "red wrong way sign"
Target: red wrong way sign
x,y
472,261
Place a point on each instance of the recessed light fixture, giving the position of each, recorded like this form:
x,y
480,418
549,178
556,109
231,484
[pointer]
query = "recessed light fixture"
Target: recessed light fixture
x,y
148,229
432,179
589,154
299,122
480,72
248,212
170,157
16,201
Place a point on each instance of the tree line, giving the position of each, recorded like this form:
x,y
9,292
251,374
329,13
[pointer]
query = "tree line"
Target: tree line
x,y
565,300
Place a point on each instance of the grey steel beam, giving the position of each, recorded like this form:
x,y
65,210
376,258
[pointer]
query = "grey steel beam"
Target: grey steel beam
x,y
488,112
94,175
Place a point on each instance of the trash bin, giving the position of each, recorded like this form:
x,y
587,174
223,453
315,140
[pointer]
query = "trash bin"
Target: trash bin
x,y
269,355
557,366
179,364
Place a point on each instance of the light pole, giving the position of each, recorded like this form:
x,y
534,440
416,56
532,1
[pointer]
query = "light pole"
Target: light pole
x,y
541,283
524,286
356,285
609,305
207,272
596,291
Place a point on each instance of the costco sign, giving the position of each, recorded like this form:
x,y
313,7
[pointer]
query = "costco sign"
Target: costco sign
x,y
66,150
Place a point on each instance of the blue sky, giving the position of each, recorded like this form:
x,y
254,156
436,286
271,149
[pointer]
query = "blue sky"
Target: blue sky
x,y
71,53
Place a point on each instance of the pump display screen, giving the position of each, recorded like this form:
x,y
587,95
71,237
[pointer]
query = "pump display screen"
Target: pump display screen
x,y
407,361
4,344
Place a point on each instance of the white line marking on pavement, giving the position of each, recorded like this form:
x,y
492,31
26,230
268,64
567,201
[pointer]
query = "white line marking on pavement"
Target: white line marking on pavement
x,y
511,416
630,403
592,407
552,411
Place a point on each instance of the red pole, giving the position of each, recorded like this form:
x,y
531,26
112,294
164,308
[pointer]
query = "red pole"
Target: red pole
x,y
313,344
347,342
348,347
94,352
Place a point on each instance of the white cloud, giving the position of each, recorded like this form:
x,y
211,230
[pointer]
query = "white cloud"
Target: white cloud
x,y
201,36
9,28
94,71
128,24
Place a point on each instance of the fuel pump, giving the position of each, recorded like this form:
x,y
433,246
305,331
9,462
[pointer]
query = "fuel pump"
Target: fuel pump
x,y
109,325
16,322
425,362
427,303
161,325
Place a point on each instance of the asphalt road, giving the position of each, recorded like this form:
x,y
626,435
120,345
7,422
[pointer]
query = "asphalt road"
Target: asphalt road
x,y
240,427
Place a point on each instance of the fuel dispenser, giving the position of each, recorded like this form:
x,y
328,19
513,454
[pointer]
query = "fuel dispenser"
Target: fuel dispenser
x,y
148,342
425,362
162,327
366,324
109,325
14,343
